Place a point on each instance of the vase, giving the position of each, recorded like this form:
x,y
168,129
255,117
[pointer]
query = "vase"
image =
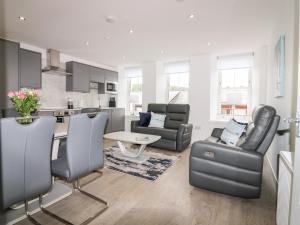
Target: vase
x,y
25,118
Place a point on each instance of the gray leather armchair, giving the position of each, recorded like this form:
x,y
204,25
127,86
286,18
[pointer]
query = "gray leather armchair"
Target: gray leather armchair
x,y
82,154
237,170
177,132
25,153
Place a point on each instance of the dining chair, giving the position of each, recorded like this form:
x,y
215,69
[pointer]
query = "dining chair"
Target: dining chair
x,y
25,154
83,155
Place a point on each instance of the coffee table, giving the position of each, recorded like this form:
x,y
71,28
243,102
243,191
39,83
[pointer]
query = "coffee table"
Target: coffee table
x,y
133,138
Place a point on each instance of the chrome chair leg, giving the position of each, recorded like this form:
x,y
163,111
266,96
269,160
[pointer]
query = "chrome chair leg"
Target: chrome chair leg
x,y
28,215
100,174
49,213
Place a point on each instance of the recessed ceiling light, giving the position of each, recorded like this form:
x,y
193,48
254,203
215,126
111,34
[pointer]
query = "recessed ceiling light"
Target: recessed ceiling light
x,y
123,57
162,51
192,16
107,37
110,19
131,31
209,44
87,43
21,18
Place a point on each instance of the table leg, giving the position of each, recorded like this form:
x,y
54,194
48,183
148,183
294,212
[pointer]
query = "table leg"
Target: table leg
x,y
127,153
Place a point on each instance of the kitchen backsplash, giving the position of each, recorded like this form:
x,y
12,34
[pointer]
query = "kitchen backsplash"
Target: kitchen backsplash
x,y
54,94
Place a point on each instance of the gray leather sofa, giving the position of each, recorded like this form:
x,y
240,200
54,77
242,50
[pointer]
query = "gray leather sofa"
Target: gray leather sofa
x,y
176,134
237,170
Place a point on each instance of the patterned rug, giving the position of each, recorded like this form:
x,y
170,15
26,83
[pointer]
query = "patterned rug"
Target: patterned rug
x,y
151,169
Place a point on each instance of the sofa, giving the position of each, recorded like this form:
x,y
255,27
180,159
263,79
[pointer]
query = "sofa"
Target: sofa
x,y
176,134
237,170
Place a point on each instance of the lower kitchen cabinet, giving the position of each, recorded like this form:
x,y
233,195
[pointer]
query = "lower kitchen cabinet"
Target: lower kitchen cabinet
x,y
116,119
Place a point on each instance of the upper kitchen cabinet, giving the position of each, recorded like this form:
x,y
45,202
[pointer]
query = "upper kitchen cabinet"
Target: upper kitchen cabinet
x,y
30,69
79,81
111,76
97,74
9,70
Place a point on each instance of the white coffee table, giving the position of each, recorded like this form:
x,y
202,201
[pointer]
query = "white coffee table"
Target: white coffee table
x,y
133,138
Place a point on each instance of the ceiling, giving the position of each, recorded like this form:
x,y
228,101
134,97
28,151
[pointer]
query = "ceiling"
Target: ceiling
x,y
162,29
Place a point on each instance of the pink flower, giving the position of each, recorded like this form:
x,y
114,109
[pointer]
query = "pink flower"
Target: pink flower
x,y
11,94
22,95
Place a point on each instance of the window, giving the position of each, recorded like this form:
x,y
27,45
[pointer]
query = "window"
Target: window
x,y
134,87
178,75
234,90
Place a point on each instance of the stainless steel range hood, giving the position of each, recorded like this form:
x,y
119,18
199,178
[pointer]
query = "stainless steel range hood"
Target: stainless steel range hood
x,y
54,65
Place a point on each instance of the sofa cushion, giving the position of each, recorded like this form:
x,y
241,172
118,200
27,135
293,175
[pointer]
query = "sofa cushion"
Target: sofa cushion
x,y
157,120
233,132
177,114
144,119
157,108
168,134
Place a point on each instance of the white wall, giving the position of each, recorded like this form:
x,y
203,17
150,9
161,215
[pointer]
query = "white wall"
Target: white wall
x,y
53,92
149,84
285,25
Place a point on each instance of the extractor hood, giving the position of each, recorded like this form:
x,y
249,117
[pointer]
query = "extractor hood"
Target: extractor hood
x,y
54,65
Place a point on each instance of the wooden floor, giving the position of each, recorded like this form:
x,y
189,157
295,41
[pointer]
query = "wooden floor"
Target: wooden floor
x,y
169,200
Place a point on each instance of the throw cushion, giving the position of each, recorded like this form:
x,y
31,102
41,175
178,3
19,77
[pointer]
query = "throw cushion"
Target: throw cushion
x,y
144,119
157,120
233,132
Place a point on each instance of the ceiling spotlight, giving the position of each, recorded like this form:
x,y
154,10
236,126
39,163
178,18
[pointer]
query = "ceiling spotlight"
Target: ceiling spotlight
x,y
110,19
162,52
107,37
21,18
209,44
123,57
87,43
192,16
131,31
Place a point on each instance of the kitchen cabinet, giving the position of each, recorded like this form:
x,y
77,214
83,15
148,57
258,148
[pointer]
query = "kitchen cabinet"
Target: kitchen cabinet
x,y
116,119
97,74
79,81
111,76
9,71
30,63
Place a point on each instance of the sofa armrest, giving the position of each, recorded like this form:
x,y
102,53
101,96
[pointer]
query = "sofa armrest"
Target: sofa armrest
x,y
134,123
185,128
217,132
232,156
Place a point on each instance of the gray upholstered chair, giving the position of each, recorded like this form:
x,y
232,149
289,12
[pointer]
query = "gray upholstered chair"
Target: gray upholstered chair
x,y
83,152
236,170
177,132
25,160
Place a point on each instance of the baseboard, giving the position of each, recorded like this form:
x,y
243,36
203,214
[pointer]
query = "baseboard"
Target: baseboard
x,y
274,177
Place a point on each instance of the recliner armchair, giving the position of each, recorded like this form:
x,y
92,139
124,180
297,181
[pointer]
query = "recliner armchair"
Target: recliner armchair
x,y
237,170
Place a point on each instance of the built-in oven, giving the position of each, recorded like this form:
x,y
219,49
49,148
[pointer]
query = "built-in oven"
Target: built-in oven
x,y
111,87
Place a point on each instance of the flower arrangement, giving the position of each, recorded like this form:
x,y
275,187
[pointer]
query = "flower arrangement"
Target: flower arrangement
x,y
25,101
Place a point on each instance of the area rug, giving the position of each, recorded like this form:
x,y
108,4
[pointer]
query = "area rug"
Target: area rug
x,y
151,169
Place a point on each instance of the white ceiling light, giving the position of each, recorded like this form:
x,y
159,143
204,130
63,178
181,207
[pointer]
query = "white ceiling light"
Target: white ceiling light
x,y
87,43
123,57
107,37
21,18
209,44
110,19
131,31
192,16
162,52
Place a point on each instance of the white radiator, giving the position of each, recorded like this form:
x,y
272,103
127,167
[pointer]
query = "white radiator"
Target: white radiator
x,y
284,188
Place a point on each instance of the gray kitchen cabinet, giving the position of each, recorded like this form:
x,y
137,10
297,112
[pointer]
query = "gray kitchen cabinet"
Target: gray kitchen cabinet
x,y
116,119
111,76
9,71
30,69
97,74
79,81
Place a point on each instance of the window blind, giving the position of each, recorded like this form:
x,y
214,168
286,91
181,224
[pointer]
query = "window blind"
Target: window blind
x,y
177,67
235,61
133,72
